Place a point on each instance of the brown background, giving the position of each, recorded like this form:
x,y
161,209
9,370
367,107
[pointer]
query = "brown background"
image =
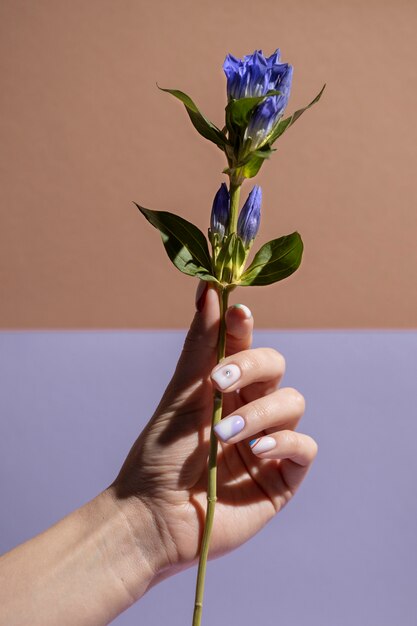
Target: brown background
x,y
84,131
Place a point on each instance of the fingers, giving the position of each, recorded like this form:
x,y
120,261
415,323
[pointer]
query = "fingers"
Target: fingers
x,y
239,328
199,354
277,411
286,444
259,365
239,321
202,336
293,454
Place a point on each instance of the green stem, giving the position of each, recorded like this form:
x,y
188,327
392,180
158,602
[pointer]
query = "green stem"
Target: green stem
x,y
212,468
234,206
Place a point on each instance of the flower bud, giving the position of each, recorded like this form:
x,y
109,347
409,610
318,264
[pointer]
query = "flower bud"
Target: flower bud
x,y
250,217
220,213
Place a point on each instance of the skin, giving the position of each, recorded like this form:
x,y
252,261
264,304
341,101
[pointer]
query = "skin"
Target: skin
x,y
147,525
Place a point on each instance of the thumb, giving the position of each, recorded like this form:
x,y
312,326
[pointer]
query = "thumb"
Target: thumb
x,y
199,353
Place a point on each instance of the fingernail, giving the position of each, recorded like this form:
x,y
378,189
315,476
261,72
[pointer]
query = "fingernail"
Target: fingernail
x,y
229,427
200,296
227,375
245,309
262,444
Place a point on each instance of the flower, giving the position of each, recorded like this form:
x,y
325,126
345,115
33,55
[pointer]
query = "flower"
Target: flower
x,y
250,217
220,213
255,75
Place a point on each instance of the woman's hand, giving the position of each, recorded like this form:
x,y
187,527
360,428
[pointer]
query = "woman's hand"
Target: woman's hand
x,y
148,524
262,460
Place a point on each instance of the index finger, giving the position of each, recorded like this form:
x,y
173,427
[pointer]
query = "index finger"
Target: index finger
x,y
239,328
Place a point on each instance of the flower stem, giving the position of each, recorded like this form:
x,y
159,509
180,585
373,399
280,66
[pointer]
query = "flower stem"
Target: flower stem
x,y
234,206
223,293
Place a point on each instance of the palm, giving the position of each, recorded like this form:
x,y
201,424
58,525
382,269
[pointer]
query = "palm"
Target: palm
x,y
167,465
249,491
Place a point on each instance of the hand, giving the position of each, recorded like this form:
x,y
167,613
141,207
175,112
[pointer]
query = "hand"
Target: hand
x,y
167,466
148,524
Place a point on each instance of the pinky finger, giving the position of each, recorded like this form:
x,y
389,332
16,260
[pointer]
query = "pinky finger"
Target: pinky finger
x,y
286,444
294,452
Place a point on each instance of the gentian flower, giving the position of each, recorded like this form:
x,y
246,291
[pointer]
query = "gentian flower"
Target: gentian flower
x,y
220,212
250,217
255,75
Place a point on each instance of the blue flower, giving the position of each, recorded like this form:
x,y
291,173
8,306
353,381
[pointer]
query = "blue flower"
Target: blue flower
x,y
220,213
250,217
256,75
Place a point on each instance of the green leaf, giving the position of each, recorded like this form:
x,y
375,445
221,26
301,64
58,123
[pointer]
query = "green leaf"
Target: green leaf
x,y
238,112
185,244
206,128
251,164
283,125
239,253
274,261
225,253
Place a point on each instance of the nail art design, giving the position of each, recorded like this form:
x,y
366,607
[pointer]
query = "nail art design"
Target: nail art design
x,y
245,309
229,427
227,375
262,444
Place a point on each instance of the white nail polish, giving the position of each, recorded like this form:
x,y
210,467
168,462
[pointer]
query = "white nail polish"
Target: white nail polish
x,y
229,426
262,444
245,309
227,375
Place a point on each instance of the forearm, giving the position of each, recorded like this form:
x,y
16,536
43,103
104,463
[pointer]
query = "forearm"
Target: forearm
x,y
84,570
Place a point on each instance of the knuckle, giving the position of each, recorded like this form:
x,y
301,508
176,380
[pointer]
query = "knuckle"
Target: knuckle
x,y
279,358
295,399
260,358
251,360
289,440
262,412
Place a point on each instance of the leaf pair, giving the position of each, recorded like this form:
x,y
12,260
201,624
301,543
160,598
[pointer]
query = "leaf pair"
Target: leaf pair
x,y
188,250
238,113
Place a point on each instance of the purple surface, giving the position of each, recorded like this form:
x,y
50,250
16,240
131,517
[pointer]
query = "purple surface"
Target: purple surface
x,y
343,553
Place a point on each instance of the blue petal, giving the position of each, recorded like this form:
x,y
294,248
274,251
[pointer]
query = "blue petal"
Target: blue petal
x,y
254,75
231,65
274,58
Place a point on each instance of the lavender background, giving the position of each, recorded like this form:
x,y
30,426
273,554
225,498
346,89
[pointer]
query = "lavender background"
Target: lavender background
x,y
344,552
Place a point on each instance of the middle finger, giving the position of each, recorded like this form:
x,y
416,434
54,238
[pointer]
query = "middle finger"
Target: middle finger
x,y
280,410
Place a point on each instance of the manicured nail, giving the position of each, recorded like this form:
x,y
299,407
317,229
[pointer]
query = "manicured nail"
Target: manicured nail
x,y
227,375
200,296
262,444
245,309
229,427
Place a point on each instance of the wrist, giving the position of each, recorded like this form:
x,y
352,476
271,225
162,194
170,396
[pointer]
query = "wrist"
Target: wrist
x,y
139,557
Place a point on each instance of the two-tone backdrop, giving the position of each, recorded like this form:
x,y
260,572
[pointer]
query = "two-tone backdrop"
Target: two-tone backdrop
x,y
93,315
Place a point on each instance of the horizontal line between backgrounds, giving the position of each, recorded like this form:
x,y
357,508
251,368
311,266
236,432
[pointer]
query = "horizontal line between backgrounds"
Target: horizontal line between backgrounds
x,y
5,331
